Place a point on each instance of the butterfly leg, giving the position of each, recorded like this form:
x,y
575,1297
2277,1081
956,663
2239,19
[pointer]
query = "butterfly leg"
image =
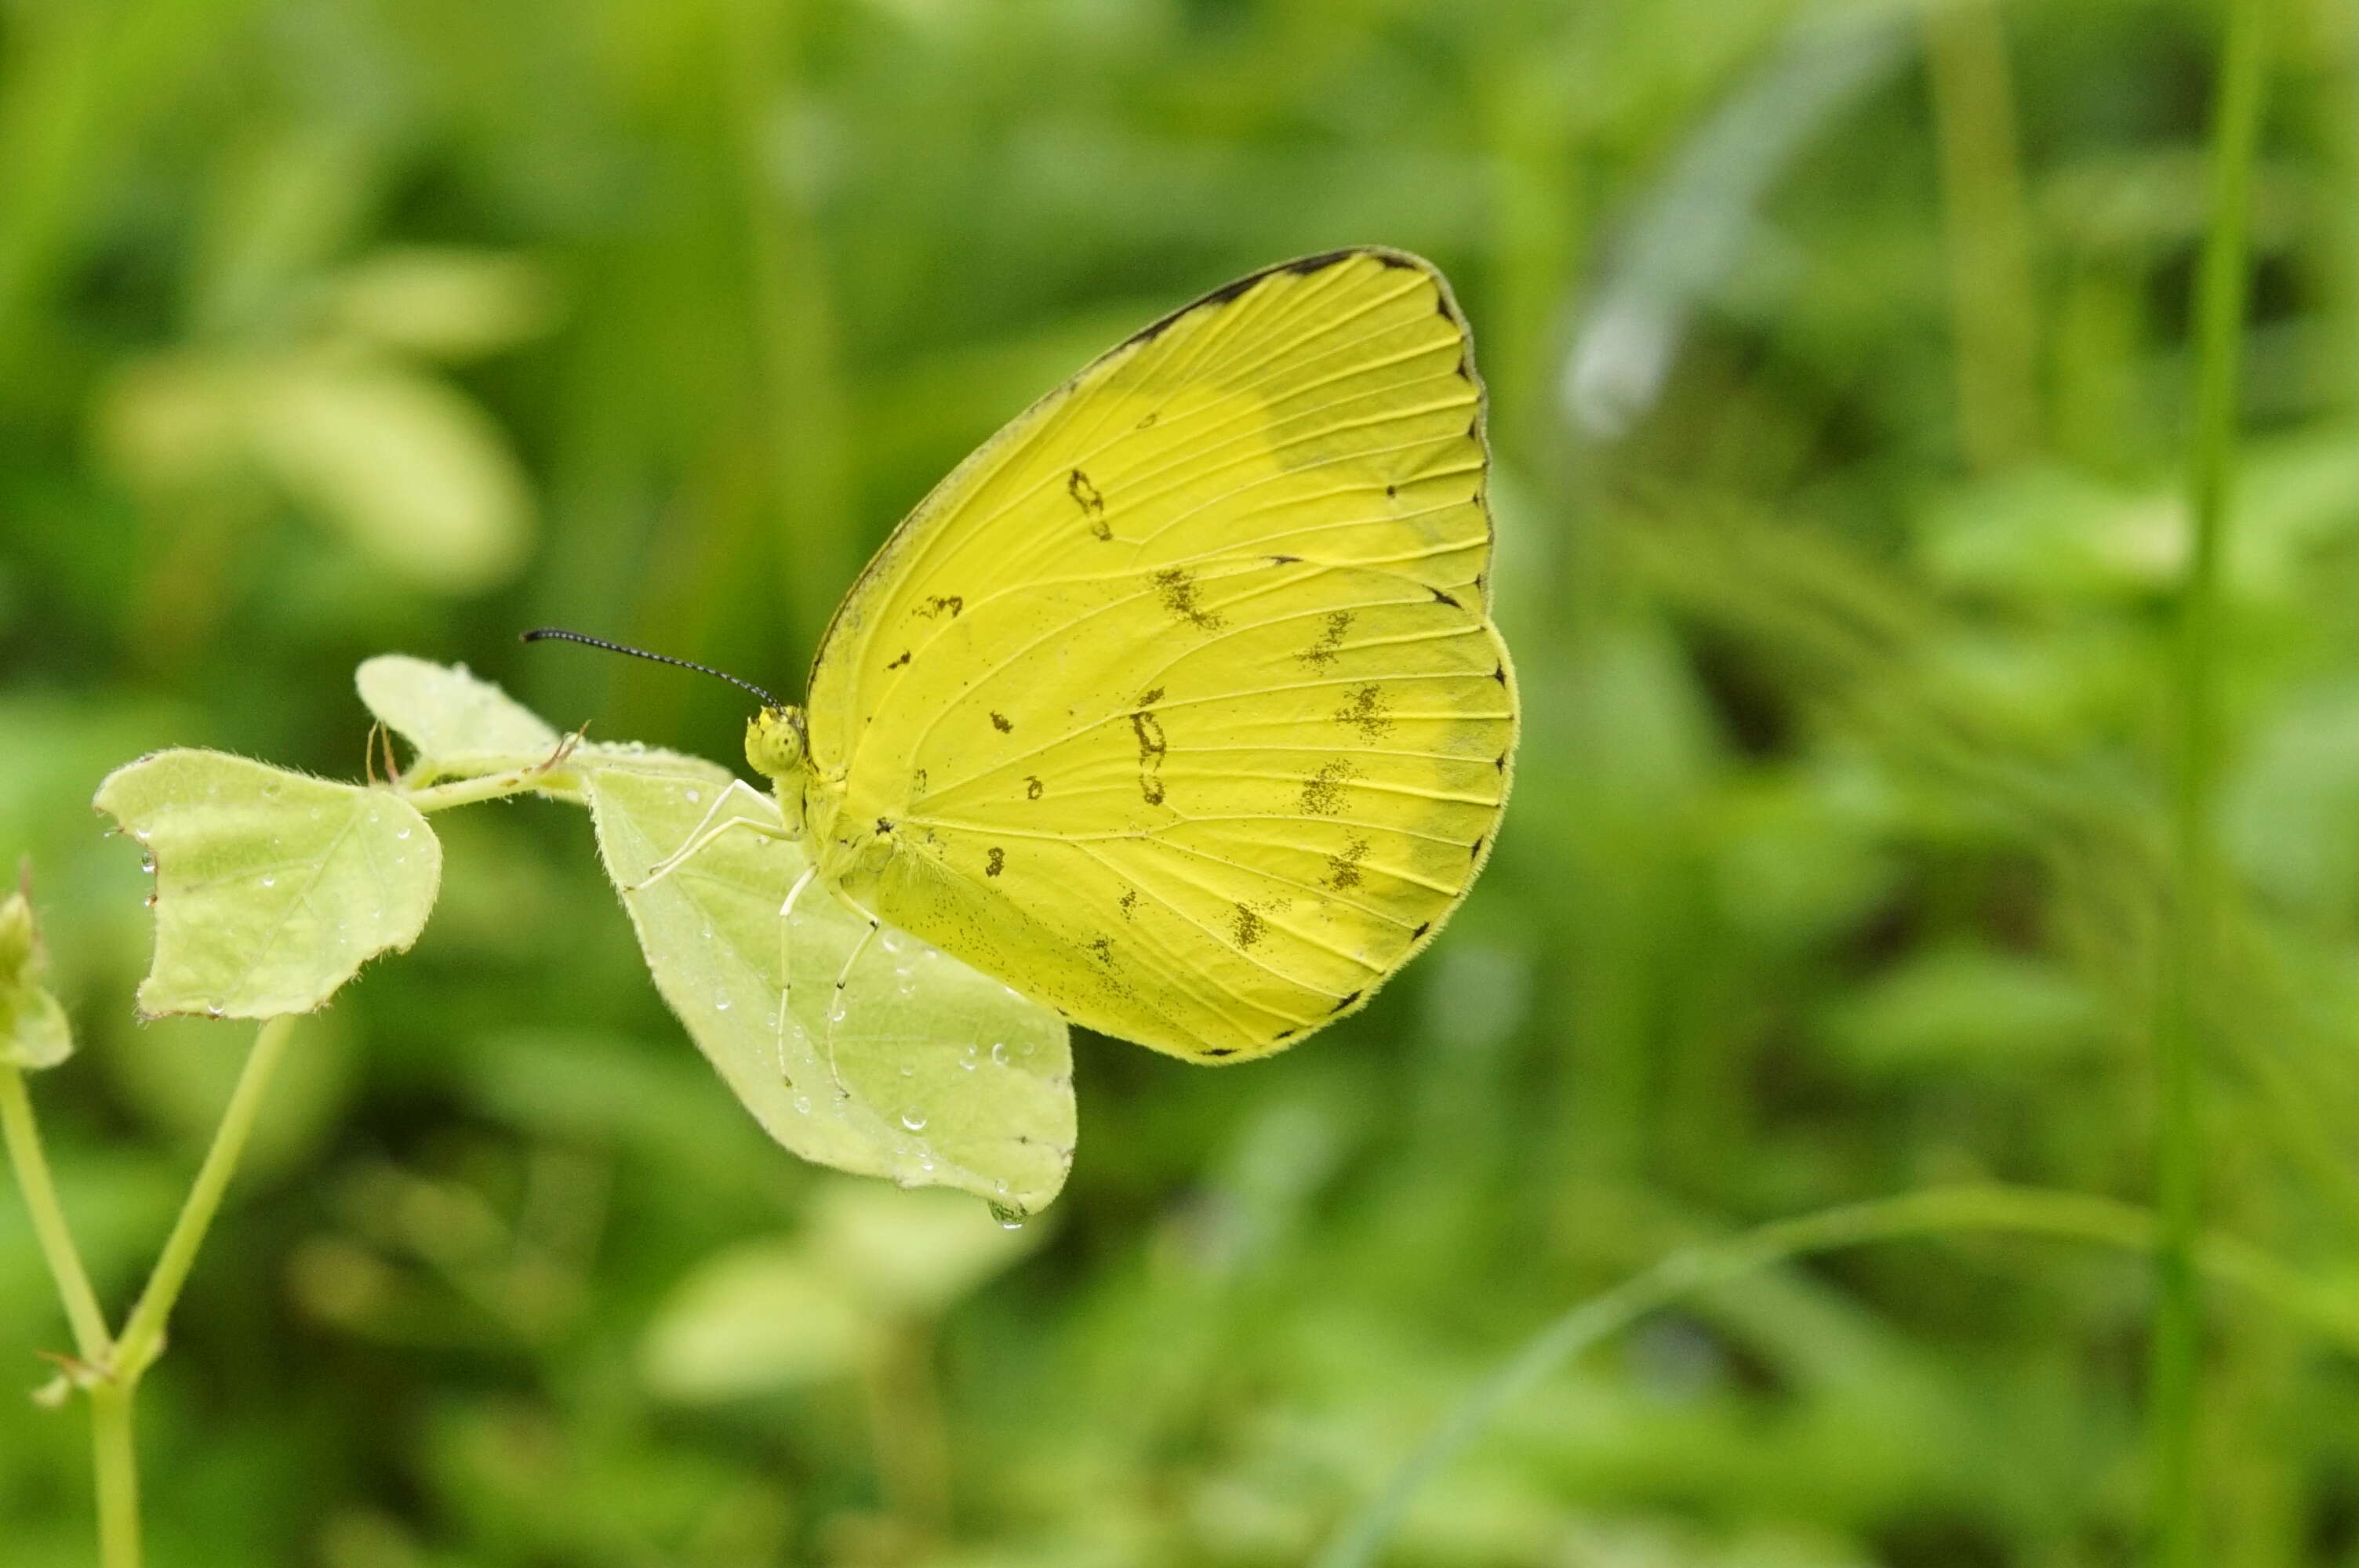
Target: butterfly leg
x,y
785,964
712,828
835,1008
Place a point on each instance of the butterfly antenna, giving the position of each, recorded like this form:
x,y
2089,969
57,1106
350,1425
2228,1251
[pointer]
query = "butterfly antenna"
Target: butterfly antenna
x,y
539,633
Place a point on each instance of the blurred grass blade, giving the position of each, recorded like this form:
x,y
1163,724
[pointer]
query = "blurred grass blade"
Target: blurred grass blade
x,y
2189,956
2069,1216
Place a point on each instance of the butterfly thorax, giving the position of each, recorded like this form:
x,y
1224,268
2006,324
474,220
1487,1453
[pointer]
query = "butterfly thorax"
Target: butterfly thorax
x,y
811,798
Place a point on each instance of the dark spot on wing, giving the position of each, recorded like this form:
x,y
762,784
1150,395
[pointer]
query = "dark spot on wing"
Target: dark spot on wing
x,y
1345,1002
1329,641
1422,927
995,860
1148,423
1032,786
918,782
1392,492
1286,1034
1285,561
1001,722
1248,927
936,606
1150,696
1129,900
1343,869
1446,599
1499,674
1175,587
1151,748
1086,495
884,824
899,661
1220,1050
1500,762
1323,792
1366,712
1474,851
1103,947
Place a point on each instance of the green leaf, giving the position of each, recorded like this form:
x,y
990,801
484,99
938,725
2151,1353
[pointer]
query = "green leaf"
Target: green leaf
x,y
272,888
418,478
909,1255
758,1317
444,302
933,1075
462,725
465,727
33,1029
783,1311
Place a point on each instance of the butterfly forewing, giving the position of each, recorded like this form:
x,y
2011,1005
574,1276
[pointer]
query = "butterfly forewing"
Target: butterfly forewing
x,y
1180,698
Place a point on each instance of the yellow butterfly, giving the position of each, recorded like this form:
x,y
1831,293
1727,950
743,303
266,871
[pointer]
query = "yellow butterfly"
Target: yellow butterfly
x,y
1177,706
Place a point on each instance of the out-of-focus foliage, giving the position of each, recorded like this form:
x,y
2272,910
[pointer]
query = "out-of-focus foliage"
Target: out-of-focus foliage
x,y
1839,362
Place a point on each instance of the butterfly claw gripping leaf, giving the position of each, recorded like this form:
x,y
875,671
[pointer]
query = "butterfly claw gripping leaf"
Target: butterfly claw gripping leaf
x,y
1177,706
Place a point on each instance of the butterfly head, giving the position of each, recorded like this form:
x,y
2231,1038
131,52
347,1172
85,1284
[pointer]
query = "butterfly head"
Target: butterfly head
x,y
776,745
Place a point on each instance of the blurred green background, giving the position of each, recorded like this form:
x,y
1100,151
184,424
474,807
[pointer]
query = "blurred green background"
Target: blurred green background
x,y
1839,359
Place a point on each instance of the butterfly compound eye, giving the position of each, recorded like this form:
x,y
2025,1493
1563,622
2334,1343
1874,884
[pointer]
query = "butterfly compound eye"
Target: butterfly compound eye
x,y
774,742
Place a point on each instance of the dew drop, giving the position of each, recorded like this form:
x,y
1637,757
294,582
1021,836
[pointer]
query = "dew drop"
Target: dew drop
x,y
967,1060
720,1004
151,901
915,1120
909,1069
270,881
926,1163
835,1009
802,1105
1009,1219
148,864
695,798
999,1052
403,834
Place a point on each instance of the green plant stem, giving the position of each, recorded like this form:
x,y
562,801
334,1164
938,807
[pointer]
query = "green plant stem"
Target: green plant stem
x,y
115,1462
493,786
2189,948
24,1136
142,1335
2019,1211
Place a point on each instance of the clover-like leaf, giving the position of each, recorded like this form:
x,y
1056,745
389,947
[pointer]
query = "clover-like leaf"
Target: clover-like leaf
x,y
465,727
272,888
930,1073
462,725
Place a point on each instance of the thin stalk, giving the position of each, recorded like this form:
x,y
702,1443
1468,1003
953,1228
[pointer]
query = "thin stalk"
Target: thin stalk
x,y
2069,1216
143,1334
2189,950
115,1461
24,1136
